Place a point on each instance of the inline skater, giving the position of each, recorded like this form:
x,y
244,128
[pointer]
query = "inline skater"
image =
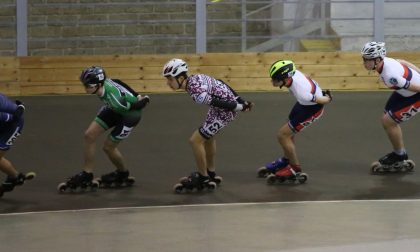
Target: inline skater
x,y
120,114
402,105
223,102
11,125
308,108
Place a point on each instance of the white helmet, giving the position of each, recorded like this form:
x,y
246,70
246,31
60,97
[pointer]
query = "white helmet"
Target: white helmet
x,y
174,67
373,50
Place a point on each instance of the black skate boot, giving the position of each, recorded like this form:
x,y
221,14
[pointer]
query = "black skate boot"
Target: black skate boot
x,y
116,179
214,177
195,181
9,184
82,180
391,163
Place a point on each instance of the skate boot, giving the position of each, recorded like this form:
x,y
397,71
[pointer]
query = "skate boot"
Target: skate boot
x,y
116,179
214,177
82,180
291,173
392,163
272,167
195,181
9,184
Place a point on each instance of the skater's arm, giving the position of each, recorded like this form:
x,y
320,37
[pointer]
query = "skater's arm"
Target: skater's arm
x,y
141,103
325,98
231,105
410,65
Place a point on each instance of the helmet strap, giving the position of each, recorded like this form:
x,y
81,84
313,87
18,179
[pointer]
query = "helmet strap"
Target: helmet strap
x,y
375,66
180,83
97,88
285,83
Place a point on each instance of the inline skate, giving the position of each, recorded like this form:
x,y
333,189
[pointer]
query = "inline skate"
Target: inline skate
x,y
392,163
9,184
288,174
195,181
272,167
213,177
82,180
116,179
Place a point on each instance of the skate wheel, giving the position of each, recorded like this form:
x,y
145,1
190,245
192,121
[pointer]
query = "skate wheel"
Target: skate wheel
x,y
178,188
375,167
101,183
106,185
118,184
30,175
218,180
302,177
271,179
183,179
130,181
410,165
94,185
262,172
62,187
211,186
97,181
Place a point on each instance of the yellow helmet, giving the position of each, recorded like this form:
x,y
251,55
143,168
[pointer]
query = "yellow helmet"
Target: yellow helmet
x,y
282,69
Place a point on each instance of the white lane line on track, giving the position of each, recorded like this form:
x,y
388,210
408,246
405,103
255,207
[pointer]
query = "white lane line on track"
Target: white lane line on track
x,y
208,205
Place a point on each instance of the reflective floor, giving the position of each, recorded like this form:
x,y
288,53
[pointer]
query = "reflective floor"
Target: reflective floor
x,y
295,226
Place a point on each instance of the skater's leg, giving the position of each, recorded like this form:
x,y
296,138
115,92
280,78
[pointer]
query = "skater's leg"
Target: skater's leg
x,y
394,133
285,137
114,155
197,143
6,166
92,133
210,148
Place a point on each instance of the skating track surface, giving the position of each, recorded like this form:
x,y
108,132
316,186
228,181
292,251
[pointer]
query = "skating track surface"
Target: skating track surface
x,y
340,208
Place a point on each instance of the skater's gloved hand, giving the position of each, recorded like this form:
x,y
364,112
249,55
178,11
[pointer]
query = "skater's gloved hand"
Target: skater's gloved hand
x,y
142,102
247,106
19,110
327,93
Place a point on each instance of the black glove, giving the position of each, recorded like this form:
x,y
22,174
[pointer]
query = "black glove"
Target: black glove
x,y
141,104
19,110
327,93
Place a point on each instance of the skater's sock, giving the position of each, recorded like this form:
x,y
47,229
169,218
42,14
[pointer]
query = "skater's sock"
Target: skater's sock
x,y
211,174
400,152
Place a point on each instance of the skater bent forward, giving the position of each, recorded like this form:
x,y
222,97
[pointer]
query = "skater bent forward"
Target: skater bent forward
x,y
121,113
223,104
11,125
308,108
402,105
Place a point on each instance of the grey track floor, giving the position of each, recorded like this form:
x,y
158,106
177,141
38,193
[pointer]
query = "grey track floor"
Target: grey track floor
x,y
340,208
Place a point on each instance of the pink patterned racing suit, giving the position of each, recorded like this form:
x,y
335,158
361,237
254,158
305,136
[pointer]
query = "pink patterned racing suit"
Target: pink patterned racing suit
x,y
203,89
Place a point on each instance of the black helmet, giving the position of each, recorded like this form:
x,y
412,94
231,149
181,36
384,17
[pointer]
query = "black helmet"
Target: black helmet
x,y
93,75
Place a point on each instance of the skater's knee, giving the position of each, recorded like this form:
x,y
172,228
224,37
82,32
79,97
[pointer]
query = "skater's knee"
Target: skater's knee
x,y
196,139
89,137
108,148
388,122
284,135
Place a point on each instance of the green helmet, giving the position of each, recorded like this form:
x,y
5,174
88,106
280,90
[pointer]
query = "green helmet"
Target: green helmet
x,y
282,69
